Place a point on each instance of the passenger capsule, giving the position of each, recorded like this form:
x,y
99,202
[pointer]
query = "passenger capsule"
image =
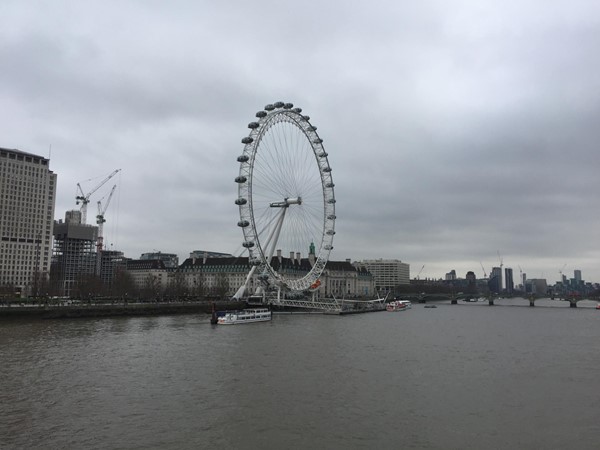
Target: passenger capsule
x,y
323,155
329,185
307,118
329,247
288,106
247,140
298,110
261,114
243,223
241,179
255,262
327,169
253,125
331,200
248,244
243,158
278,104
318,141
312,128
331,216
241,201
269,107
330,232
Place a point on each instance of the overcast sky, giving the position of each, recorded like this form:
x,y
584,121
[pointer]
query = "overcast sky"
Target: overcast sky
x,y
456,130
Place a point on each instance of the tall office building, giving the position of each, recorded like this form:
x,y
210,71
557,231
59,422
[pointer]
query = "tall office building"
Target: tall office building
x,y
387,273
495,282
576,281
27,200
508,276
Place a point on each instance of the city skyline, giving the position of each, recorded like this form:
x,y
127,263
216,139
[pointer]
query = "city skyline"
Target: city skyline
x,y
455,132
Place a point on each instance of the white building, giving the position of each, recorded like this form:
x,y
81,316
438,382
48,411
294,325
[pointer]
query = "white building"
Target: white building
x,y
387,273
27,200
150,277
220,275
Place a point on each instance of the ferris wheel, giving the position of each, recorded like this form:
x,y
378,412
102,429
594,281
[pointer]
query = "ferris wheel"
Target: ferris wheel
x,y
286,198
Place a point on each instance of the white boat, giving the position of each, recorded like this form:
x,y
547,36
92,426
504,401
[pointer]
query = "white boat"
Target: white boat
x,y
244,316
405,302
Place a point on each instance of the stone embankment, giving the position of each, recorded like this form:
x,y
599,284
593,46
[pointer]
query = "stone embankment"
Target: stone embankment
x,y
43,311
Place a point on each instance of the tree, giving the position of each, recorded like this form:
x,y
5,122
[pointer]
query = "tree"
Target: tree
x,y
88,286
123,284
7,291
152,288
177,285
199,288
222,285
40,284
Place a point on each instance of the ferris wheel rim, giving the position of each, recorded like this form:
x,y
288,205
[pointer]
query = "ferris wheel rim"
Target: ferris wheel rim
x,y
285,115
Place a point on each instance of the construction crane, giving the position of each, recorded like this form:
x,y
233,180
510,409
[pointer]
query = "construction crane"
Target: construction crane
x,y
482,268
100,221
561,272
84,199
521,277
420,271
501,261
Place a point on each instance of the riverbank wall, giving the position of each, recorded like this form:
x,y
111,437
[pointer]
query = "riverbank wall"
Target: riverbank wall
x,y
114,310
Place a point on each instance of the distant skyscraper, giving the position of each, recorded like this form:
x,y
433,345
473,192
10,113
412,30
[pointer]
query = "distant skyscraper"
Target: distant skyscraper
x,y
508,275
495,283
27,199
577,278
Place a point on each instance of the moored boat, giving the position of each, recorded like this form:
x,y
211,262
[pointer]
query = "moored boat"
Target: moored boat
x,y
598,306
249,315
396,305
408,303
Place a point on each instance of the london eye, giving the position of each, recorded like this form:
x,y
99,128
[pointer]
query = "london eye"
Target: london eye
x,y
286,197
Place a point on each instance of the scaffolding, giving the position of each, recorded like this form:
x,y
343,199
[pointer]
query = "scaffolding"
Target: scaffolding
x,y
73,252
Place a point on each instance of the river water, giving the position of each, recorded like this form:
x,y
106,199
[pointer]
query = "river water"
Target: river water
x,y
467,376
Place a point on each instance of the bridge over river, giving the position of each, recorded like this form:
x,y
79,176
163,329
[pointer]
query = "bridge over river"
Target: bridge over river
x,y
503,301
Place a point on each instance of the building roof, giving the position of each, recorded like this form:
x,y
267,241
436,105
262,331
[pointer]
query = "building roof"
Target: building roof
x,y
276,263
145,264
19,152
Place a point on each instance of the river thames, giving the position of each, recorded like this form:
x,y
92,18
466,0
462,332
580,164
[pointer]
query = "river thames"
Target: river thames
x,y
467,376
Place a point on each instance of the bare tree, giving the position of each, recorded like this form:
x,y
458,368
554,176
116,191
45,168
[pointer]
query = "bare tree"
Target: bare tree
x,y
123,285
222,285
199,288
88,286
152,288
177,285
